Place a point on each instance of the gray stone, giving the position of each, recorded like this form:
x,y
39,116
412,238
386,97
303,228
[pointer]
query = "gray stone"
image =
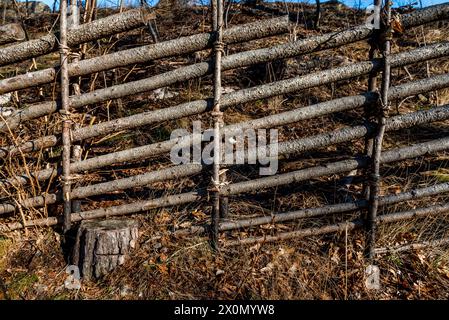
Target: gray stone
x,y
34,7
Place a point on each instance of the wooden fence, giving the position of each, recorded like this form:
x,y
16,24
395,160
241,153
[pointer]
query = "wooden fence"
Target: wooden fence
x,y
215,106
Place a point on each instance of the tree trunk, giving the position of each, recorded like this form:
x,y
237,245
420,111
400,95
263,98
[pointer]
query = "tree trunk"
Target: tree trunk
x,y
101,246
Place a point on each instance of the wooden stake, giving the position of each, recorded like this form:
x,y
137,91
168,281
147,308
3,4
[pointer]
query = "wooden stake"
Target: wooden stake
x,y
217,24
65,113
377,145
76,149
372,87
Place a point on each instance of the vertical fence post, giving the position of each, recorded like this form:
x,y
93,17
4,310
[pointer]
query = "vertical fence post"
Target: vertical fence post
x,y
65,113
377,145
224,200
76,149
75,20
217,22
372,87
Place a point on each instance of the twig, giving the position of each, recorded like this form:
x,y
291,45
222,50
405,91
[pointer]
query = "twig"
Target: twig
x,y
412,246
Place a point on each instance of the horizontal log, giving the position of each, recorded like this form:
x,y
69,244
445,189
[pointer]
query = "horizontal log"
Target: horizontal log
x,y
342,104
412,246
102,188
419,17
228,100
412,214
327,210
241,187
11,33
112,211
334,167
241,33
298,234
342,227
90,31
235,34
296,115
368,129
339,227
336,208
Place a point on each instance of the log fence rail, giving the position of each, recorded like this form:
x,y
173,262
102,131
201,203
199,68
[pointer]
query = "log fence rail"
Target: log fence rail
x,y
214,107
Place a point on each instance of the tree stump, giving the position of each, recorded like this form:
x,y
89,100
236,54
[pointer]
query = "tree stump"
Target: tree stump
x,y
101,246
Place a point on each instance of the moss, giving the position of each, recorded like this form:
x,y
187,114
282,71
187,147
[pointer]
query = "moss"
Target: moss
x,y
21,284
396,260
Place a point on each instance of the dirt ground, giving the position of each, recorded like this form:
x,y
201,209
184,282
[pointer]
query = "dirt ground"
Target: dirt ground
x,y
164,266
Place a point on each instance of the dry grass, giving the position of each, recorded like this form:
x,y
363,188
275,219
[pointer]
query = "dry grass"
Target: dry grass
x,y
32,264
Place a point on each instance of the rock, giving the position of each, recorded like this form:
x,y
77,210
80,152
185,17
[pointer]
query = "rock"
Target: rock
x,y
125,291
334,5
5,98
101,246
11,33
6,112
163,93
34,7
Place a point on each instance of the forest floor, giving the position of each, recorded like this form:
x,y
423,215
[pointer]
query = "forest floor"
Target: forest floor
x,y
32,263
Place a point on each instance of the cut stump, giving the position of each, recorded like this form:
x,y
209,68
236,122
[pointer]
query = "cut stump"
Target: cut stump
x,y
101,246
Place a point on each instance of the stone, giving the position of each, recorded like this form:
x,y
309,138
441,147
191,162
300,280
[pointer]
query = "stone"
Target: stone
x,y
34,7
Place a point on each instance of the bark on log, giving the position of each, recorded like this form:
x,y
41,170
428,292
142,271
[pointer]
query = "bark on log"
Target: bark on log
x,y
411,214
284,148
412,246
336,167
199,106
144,54
303,113
101,246
94,30
11,33
336,208
303,233
350,133
102,188
433,13
235,34
340,227
283,217
321,211
247,186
